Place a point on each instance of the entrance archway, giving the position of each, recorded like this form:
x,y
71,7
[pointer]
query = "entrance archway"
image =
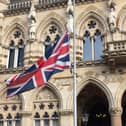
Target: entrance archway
x,y
93,107
124,109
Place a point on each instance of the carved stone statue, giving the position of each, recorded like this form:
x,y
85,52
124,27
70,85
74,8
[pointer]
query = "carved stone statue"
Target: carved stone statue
x,y
32,23
112,17
70,17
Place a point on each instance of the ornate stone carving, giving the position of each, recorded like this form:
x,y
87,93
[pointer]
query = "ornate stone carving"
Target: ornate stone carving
x,y
112,17
116,111
32,23
46,94
70,17
14,98
64,83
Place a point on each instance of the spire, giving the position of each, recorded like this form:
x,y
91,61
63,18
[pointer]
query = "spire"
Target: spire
x,y
111,4
32,13
70,7
32,22
70,16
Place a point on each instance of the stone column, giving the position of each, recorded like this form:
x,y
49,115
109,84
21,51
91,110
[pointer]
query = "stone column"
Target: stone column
x,y
92,46
42,123
5,123
66,116
27,118
92,43
27,53
116,117
33,50
1,36
51,122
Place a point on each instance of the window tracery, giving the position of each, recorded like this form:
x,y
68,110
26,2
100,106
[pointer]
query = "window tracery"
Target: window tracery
x,y
10,110
92,40
46,108
52,33
16,49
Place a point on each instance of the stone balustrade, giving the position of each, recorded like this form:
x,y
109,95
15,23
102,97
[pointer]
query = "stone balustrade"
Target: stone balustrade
x,y
22,6
115,53
19,5
116,48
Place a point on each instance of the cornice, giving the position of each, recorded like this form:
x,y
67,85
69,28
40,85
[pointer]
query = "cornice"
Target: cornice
x,y
24,7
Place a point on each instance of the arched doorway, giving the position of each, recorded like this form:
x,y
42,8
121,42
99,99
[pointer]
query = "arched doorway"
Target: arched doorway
x,y
93,107
124,109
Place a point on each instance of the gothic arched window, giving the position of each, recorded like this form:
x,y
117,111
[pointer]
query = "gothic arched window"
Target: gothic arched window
x,y
37,119
87,46
9,120
53,35
11,55
55,119
92,42
16,49
17,120
1,120
20,53
98,45
46,104
46,119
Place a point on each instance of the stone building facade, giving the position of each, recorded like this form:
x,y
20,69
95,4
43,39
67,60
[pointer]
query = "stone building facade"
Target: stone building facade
x,y
100,27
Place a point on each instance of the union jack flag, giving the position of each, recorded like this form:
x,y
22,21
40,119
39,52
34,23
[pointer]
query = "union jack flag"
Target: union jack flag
x,y
40,72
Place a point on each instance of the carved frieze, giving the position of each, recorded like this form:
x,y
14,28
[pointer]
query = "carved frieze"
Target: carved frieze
x,y
46,93
64,83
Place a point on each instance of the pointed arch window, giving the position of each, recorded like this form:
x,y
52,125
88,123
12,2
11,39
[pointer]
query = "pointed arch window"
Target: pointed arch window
x,y
46,119
17,120
98,45
87,47
9,120
37,119
51,39
11,54
20,53
92,42
55,119
1,120
16,50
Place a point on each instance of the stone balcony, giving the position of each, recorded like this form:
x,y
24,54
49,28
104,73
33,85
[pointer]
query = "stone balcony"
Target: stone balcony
x,y
18,8
116,52
23,6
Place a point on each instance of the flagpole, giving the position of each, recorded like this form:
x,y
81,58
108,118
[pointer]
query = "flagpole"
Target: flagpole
x,y
74,69
71,29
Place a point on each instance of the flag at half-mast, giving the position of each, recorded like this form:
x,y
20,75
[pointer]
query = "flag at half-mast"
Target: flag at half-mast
x,y
57,59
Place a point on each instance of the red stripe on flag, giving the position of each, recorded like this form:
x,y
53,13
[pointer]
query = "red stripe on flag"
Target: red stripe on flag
x,y
53,59
39,78
21,79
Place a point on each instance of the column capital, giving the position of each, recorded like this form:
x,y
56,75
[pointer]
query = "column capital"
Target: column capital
x,y
116,111
66,112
